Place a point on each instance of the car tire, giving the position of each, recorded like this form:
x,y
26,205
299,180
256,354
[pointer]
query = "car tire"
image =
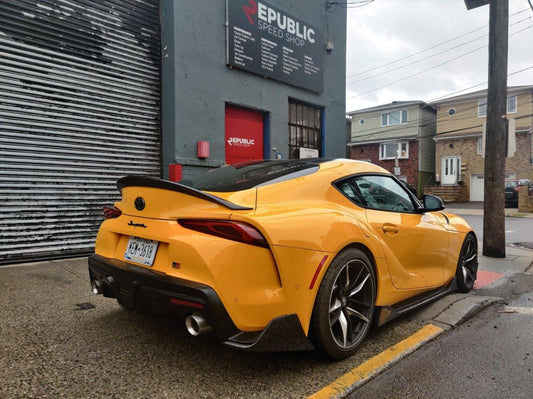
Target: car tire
x,y
466,273
344,305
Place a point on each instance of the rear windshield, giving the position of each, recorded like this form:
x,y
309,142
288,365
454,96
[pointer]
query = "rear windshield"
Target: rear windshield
x,y
246,175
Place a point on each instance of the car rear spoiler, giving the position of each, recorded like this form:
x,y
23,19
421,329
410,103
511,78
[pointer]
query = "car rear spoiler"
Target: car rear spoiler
x,y
146,181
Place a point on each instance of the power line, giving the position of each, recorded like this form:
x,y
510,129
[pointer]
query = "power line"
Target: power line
x,y
431,68
418,73
433,55
425,122
350,4
429,48
479,84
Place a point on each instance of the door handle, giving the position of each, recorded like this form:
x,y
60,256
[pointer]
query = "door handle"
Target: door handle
x,y
390,229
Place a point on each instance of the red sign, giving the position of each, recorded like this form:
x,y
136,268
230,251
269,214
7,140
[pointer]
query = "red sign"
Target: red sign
x,y
244,135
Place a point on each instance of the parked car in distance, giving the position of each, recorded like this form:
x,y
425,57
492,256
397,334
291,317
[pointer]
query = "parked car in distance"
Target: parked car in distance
x,y
281,254
511,191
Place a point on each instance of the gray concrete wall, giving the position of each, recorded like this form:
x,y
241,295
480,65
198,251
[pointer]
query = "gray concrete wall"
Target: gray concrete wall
x,y
197,83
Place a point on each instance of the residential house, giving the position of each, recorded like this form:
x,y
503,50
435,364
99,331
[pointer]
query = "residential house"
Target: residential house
x,y
459,152
398,137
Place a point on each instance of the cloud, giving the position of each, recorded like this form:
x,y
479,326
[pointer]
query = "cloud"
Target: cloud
x,y
386,31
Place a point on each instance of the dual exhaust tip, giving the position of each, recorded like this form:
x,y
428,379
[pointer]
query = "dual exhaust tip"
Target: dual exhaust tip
x,y
196,323
97,286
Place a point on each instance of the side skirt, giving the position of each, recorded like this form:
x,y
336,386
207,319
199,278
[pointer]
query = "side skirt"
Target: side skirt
x,y
388,313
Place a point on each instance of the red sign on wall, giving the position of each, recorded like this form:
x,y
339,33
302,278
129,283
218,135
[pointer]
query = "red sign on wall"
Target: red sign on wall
x,y
244,135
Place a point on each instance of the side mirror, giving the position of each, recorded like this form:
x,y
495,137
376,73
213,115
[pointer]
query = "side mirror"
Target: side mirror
x,y
432,203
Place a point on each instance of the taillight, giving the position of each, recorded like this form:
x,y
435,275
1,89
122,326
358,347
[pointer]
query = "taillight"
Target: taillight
x,y
111,212
231,230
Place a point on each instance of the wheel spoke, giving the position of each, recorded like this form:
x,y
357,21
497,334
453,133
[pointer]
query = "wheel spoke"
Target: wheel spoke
x,y
347,282
356,279
467,274
344,328
353,312
359,286
360,303
471,258
336,305
334,317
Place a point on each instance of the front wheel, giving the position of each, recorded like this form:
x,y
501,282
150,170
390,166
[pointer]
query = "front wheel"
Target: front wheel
x,y
467,265
344,305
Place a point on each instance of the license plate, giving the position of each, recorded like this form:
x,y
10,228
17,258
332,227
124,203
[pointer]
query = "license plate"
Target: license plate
x,y
141,251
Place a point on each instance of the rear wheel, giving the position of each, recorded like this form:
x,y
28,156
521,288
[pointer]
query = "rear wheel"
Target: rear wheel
x,y
467,266
344,305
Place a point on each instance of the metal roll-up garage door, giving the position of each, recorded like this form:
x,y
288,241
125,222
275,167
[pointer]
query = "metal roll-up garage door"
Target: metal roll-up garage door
x,y
79,108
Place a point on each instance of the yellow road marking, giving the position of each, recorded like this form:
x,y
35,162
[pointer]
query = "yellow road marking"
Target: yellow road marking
x,y
355,378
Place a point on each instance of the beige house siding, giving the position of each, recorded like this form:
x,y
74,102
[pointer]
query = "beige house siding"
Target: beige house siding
x,y
466,119
372,130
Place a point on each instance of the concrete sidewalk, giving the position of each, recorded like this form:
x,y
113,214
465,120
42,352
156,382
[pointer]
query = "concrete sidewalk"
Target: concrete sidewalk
x,y
476,208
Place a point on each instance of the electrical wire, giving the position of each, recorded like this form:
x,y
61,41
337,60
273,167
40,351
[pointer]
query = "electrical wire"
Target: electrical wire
x,y
431,68
439,53
430,48
350,4
425,122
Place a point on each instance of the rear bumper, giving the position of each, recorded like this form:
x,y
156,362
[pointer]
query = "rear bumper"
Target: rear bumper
x,y
135,286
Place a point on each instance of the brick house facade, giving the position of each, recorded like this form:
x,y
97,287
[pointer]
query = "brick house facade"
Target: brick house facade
x,y
398,137
459,149
408,167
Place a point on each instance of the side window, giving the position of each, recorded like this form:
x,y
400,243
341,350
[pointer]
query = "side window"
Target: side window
x,y
383,193
349,190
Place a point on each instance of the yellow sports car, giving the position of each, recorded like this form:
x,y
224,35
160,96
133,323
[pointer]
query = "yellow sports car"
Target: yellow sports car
x,y
281,254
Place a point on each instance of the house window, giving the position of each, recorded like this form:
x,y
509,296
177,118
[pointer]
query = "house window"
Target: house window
x,y
451,111
480,146
305,130
394,150
482,106
511,105
394,117
361,121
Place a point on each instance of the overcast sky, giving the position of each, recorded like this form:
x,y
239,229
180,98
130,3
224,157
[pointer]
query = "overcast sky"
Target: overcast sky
x,y
385,31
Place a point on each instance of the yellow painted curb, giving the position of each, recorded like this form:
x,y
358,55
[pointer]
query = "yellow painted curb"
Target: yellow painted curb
x,y
355,378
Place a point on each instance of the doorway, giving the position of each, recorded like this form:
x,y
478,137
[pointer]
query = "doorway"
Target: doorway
x,y
244,134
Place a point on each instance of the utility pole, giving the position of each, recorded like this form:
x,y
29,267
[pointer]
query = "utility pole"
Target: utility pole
x,y
496,128
496,132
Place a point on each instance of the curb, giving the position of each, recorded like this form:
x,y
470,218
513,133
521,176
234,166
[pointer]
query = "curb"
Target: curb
x,y
352,380
443,315
455,309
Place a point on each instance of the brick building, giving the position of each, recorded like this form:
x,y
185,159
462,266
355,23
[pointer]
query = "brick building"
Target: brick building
x,y
398,137
459,150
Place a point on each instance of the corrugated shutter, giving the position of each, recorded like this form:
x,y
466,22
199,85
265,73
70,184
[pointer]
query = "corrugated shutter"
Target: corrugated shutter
x,y
79,108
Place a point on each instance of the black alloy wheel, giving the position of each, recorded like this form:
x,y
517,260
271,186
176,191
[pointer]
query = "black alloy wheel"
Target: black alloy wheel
x,y
344,306
467,265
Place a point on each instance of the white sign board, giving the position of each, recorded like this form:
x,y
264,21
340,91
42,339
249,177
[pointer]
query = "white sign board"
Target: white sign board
x,y
308,153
